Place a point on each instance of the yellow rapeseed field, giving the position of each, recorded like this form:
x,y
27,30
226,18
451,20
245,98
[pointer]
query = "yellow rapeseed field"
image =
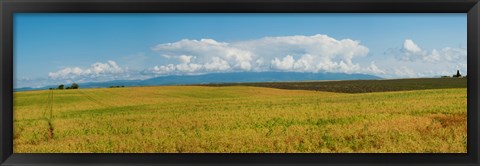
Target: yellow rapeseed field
x,y
238,119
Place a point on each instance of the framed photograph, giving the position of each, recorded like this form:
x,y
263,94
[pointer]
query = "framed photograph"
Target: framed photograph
x,y
345,82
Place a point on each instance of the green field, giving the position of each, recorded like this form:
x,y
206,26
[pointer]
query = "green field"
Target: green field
x,y
244,119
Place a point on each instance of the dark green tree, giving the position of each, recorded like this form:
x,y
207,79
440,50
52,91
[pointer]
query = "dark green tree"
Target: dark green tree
x,y
458,73
61,86
74,86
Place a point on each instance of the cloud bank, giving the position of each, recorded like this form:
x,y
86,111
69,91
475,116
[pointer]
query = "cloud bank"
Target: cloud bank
x,y
412,61
97,71
316,53
412,52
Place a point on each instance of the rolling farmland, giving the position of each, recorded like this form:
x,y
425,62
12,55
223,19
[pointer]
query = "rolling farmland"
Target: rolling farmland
x,y
361,86
241,118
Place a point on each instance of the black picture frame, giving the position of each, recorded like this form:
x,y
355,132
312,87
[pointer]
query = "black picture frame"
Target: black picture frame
x,y
9,7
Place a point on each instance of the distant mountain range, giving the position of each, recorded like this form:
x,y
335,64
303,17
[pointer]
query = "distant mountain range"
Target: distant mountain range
x,y
239,77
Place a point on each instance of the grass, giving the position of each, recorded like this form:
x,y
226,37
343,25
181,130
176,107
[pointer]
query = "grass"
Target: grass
x,y
239,119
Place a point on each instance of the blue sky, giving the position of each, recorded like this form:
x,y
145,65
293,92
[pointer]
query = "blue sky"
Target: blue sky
x,y
64,48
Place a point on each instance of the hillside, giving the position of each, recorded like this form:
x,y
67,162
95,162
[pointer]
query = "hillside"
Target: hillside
x,y
362,86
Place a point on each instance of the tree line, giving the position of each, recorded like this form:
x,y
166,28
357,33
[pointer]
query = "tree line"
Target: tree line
x,y
458,75
61,87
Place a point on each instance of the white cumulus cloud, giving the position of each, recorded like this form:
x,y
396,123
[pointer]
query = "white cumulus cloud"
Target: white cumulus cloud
x,y
96,70
413,61
410,46
412,52
284,64
316,53
206,49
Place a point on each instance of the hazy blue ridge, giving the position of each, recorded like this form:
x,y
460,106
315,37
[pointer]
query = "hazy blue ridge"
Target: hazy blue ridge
x,y
239,77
